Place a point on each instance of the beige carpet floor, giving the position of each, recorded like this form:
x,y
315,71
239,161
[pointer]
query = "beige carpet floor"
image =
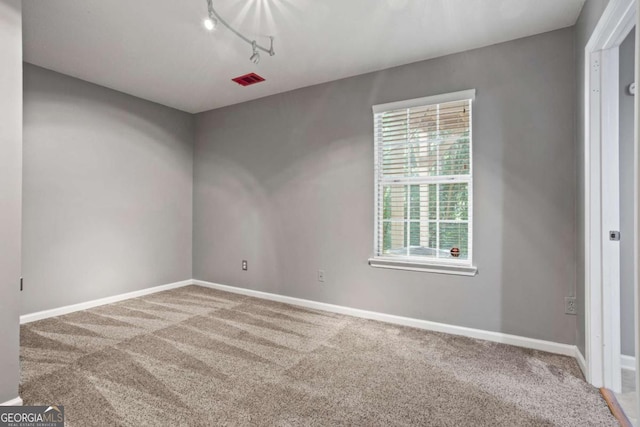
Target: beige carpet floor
x,y
200,357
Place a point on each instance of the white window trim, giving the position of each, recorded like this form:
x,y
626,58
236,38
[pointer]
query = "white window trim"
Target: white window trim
x,y
424,266
427,100
461,268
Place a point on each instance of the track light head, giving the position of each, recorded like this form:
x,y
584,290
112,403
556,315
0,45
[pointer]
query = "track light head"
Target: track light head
x,y
271,51
210,24
255,57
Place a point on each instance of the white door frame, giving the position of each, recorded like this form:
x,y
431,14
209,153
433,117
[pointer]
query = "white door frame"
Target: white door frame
x,y
636,213
602,256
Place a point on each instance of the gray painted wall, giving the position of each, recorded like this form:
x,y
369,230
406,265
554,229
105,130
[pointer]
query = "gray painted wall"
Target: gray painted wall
x,y
627,108
10,193
286,182
108,182
589,17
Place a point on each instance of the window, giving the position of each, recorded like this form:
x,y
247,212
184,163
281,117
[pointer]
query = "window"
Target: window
x,y
424,184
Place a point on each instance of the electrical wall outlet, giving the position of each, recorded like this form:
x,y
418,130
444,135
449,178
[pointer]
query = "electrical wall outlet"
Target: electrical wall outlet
x,y
570,305
320,275
245,266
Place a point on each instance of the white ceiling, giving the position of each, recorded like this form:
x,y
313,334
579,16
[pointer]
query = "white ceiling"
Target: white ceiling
x,y
159,50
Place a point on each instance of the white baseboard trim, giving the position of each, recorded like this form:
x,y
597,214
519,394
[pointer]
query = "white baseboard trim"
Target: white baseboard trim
x,y
13,402
582,362
535,344
515,340
628,362
32,317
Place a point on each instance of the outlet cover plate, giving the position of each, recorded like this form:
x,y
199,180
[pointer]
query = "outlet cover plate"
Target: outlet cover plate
x,y
570,305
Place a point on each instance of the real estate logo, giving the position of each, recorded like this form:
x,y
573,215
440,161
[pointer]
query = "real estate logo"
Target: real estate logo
x,y
31,416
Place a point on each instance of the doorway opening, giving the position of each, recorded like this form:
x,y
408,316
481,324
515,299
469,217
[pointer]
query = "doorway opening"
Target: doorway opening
x,y
626,93
611,203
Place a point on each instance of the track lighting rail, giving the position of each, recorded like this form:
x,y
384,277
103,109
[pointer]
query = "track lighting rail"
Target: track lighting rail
x,y
214,18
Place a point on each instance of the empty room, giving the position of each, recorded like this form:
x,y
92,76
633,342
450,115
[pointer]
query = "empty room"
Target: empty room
x,y
298,212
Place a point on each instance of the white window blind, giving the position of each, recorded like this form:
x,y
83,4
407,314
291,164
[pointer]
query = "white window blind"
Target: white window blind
x,y
424,179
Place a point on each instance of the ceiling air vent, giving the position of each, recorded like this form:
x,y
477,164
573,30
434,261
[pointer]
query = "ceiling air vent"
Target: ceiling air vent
x,y
248,79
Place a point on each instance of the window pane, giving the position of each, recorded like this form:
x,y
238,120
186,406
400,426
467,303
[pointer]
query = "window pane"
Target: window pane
x,y
437,139
423,239
394,160
394,202
423,158
433,205
454,235
433,234
394,237
423,201
454,155
454,201
414,234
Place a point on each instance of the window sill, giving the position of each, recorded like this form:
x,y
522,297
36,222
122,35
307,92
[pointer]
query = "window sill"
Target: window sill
x,y
460,270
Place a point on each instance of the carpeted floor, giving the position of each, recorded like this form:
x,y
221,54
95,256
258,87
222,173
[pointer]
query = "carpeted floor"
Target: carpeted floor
x,y
195,356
